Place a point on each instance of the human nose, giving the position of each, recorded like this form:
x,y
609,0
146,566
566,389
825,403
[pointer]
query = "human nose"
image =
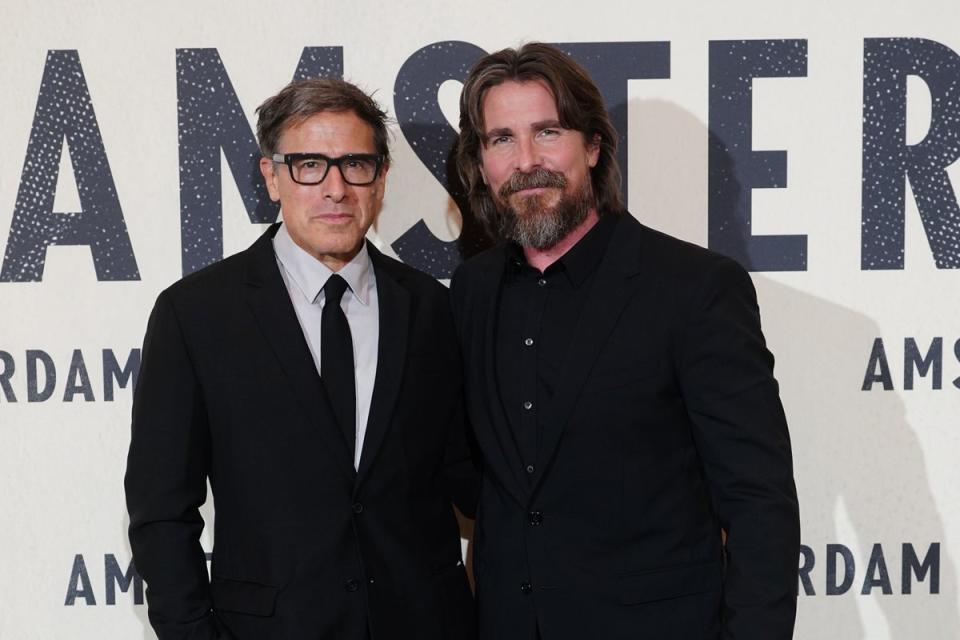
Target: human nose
x,y
528,158
333,185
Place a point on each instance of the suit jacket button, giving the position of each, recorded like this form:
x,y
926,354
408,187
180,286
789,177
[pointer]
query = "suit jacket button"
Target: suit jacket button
x,y
530,468
351,585
536,518
525,587
357,508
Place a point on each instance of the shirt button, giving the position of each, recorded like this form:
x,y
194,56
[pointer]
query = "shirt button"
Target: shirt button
x,y
530,468
528,405
536,518
357,508
542,282
351,585
370,579
525,587
528,342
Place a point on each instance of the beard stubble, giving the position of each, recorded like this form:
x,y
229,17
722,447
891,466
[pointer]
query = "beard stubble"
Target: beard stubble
x,y
530,222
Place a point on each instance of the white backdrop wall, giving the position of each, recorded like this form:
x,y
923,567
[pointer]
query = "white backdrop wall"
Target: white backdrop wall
x,y
816,142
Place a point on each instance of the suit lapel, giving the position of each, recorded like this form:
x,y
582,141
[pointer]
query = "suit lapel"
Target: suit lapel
x,y
612,289
394,311
270,303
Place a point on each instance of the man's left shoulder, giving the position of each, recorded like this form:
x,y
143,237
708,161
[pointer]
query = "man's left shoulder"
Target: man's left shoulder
x,y
413,280
658,253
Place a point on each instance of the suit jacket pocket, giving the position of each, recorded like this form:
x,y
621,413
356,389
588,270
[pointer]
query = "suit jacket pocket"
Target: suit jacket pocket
x,y
670,582
240,596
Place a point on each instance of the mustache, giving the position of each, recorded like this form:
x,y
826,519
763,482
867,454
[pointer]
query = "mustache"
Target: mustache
x,y
538,178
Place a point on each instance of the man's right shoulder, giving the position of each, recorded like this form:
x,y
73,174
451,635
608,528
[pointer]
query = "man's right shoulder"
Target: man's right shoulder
x,y
472,268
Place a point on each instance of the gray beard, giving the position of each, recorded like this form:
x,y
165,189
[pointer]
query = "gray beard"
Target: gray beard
x,y
540,228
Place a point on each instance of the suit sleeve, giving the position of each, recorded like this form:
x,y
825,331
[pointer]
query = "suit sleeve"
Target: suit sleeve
x,y
460,457
461,470
166,482
741,434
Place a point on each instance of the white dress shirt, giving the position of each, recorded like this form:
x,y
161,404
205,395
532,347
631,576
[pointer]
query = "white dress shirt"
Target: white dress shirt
x,y
305,276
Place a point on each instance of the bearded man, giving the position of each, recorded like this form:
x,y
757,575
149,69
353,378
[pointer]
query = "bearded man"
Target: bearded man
x,y
619,388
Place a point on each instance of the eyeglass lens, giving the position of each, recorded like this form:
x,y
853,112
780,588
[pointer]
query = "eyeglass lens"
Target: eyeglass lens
x,y
355,170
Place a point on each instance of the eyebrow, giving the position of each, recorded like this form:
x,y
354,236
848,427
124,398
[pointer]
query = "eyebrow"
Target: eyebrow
x,y
535,126
496,133
546,124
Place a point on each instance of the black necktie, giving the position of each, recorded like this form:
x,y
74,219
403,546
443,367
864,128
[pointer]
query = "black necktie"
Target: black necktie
x,y
336,359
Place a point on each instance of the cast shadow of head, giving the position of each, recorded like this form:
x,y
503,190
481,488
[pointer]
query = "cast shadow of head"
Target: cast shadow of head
x,y
858,464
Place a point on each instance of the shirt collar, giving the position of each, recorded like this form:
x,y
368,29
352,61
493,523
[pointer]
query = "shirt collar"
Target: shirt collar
x,y
309,274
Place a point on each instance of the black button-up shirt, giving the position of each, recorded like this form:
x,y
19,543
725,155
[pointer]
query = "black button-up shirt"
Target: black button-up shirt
x,y
537,319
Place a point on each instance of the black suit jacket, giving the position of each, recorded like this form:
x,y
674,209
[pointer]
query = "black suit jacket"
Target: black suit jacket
x,y
667,427
304,545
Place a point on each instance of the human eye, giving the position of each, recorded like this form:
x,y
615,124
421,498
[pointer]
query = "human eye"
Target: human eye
x,y
361,165
309,170
359,169
308,163
550,132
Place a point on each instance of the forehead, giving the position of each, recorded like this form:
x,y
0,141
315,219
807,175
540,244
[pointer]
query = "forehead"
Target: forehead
x,y
328,132
514,103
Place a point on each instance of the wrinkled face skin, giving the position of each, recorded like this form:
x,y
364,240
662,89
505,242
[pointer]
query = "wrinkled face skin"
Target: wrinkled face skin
x,y
328,220
537,171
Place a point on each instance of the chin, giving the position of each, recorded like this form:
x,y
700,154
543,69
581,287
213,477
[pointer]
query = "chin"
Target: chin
x,y
344,248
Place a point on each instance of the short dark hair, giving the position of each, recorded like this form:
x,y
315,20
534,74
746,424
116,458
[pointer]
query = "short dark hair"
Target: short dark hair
x,y
579,105
303,98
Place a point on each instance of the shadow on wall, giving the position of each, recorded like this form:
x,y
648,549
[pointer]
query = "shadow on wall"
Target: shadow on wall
x,y
854,454
854,451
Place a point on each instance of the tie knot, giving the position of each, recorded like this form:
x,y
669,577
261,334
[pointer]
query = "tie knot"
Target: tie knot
x,y
334,289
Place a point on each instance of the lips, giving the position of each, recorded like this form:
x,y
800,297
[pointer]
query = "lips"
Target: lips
x,y
333,216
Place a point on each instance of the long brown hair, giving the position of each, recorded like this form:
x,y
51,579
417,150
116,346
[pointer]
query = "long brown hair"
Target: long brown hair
x,y
579,105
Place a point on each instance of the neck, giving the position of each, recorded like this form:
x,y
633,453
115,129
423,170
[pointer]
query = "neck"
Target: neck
x,y
336,262
540,259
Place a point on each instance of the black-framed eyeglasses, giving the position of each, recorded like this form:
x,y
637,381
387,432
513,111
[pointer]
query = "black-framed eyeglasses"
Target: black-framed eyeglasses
x,y
358,169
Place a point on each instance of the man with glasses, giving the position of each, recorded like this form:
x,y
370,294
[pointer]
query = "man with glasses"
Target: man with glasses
x,y
316,384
